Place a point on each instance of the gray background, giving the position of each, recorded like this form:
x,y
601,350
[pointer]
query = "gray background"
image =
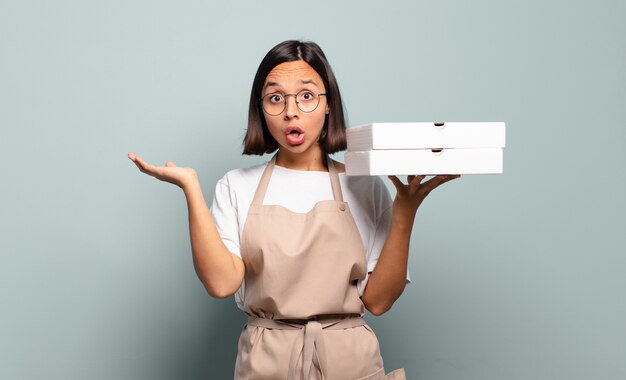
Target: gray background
x,y
515,276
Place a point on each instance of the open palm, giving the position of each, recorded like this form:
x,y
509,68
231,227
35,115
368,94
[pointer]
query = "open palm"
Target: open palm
x,y
169,173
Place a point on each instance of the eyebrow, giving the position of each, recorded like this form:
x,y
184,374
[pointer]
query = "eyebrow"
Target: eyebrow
x,y
273,84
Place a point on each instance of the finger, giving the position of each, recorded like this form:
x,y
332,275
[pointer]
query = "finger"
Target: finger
x,y
416,181
145,167
396,182
437,181
141,164
450,177
417,178
136,160
133,157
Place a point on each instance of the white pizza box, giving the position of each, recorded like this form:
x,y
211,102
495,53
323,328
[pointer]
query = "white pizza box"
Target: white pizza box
x,y
424,161
426,135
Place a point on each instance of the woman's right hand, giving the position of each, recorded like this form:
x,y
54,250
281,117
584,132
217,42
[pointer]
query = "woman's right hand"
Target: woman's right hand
x,y
220,271
182,177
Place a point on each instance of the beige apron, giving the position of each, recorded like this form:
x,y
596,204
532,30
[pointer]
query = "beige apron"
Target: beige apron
x,y
305,314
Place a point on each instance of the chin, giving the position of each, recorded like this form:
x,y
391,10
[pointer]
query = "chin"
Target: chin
x,y
303,148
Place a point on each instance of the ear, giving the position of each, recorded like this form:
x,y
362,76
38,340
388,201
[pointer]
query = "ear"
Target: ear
x,y
327,109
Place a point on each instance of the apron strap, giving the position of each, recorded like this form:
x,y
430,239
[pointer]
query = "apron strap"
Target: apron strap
x,y
310,345
259,195
334,180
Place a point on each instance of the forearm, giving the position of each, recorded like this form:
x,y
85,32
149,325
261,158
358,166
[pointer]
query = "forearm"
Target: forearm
x,y
386,283
220,271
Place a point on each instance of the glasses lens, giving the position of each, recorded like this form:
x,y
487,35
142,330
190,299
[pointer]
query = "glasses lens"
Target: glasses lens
x,y
307,101
273,104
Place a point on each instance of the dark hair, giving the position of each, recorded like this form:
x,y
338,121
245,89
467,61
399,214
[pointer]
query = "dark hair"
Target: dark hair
x,y
258,139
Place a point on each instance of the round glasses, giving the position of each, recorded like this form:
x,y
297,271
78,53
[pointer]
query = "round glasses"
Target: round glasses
x,y
275,104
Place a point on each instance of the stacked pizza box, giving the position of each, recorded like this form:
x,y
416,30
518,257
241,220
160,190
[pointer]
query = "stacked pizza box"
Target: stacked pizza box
x,y
425,148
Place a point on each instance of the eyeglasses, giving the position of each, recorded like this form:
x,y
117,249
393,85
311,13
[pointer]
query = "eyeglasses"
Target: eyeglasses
x,y
275,104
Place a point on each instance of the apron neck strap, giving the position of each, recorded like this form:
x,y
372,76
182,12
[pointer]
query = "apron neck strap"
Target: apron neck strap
x,y
334,180
259,195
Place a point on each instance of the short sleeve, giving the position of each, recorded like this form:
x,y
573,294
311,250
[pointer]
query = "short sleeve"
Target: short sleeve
x,y
224,212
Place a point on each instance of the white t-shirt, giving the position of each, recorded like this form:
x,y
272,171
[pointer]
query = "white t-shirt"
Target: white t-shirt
x,y
298,191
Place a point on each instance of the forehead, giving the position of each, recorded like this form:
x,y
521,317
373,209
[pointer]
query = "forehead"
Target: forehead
x,y
293,73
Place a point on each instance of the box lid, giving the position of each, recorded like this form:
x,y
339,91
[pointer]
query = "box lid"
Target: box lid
x,y
426,135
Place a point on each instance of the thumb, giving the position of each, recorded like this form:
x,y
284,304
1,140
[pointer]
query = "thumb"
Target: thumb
x,y
170,164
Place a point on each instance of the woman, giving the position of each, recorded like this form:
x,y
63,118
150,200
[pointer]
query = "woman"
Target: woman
x,y
304,263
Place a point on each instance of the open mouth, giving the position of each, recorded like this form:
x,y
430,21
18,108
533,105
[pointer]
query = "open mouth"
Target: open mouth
x,y
295,135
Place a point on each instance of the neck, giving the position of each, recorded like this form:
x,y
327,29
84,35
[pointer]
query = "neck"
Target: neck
x,y
313,160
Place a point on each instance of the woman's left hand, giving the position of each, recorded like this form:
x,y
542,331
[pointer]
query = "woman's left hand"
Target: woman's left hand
x,y
409,196
387,281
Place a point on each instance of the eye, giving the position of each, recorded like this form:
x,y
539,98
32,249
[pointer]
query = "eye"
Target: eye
x,y
275,98
306,96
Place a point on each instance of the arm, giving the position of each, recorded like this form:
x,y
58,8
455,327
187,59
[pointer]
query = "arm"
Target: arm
x,y
218,269
386,283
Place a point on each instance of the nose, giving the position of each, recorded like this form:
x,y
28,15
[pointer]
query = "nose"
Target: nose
x,y
291,107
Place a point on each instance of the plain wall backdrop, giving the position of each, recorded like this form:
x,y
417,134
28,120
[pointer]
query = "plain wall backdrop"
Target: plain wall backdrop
x,y
515,276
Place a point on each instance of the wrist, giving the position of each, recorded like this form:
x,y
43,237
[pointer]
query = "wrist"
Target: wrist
x,y
191,182
403,224
403,218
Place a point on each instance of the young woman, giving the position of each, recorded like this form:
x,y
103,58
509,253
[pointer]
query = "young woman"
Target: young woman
x,y
304,248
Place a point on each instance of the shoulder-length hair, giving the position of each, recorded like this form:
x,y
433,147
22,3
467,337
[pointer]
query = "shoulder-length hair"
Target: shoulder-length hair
x,y
258,139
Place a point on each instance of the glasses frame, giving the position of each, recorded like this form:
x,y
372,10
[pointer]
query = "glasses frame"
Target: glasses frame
x,y
295,98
